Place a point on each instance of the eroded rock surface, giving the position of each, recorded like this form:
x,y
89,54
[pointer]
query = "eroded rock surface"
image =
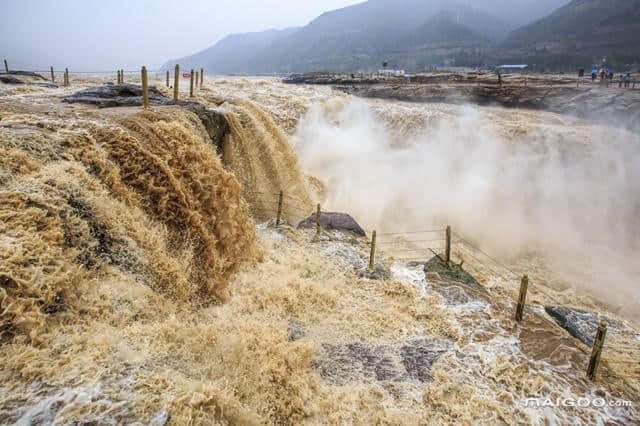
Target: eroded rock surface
x,y
451,272
119,95
412,360
595,103
9,79
580,324
24,77
337,221
115,95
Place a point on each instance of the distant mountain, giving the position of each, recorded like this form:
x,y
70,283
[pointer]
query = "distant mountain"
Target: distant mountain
x,y
442,30
415,34
443,38
362,36
352,38
516,12
581,32
231,54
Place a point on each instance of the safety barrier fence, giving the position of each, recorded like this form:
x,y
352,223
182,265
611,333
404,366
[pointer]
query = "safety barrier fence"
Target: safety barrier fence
x,y
505,79
421,245
195,76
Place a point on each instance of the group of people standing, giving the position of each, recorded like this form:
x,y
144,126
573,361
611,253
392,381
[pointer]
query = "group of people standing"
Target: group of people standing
x,y
625,80
606,76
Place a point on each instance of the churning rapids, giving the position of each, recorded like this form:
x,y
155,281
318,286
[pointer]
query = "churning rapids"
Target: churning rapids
x,y
142,278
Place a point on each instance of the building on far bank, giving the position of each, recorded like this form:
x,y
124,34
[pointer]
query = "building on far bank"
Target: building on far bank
x,y
396,73
512,68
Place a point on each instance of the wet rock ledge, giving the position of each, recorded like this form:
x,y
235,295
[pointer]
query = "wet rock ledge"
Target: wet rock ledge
x,y
580,324
127,95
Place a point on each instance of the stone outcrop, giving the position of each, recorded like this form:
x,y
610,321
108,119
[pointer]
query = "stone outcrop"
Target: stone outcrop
x,y
9,79
25,77
116,95
591,102
556,93
337,221
119,95
451,273
412,361
580,324
330,79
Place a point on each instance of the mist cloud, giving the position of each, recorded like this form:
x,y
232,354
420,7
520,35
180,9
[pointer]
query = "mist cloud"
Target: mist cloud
x,y
566,191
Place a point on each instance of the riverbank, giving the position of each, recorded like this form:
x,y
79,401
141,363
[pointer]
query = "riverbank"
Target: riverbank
x,y
549,92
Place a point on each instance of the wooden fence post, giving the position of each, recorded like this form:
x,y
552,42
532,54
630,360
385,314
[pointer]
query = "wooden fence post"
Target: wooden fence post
x,y
524,285
53,77
176,81
6,67
447,250
121,76
201,77
280,198
167,78
66,76
596,351
145,88
372,255
191,88
118,77
318,220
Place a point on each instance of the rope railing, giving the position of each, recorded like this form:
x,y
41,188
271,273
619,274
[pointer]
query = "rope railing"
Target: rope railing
x,y
264,205
18,70
274,204
488,256
411,241
196,77
291,197
412,232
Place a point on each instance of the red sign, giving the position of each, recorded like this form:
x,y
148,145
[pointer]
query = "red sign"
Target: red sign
x,y
186,75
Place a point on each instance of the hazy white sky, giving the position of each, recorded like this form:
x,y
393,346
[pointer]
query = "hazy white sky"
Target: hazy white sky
x,y
96,35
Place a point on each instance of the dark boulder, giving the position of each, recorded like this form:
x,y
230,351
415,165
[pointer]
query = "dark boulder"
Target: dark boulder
x,y
8,79
580,324
115,95
337,221
27,74
452,272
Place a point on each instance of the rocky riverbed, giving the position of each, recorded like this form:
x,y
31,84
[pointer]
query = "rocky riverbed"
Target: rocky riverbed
x,y
556,93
